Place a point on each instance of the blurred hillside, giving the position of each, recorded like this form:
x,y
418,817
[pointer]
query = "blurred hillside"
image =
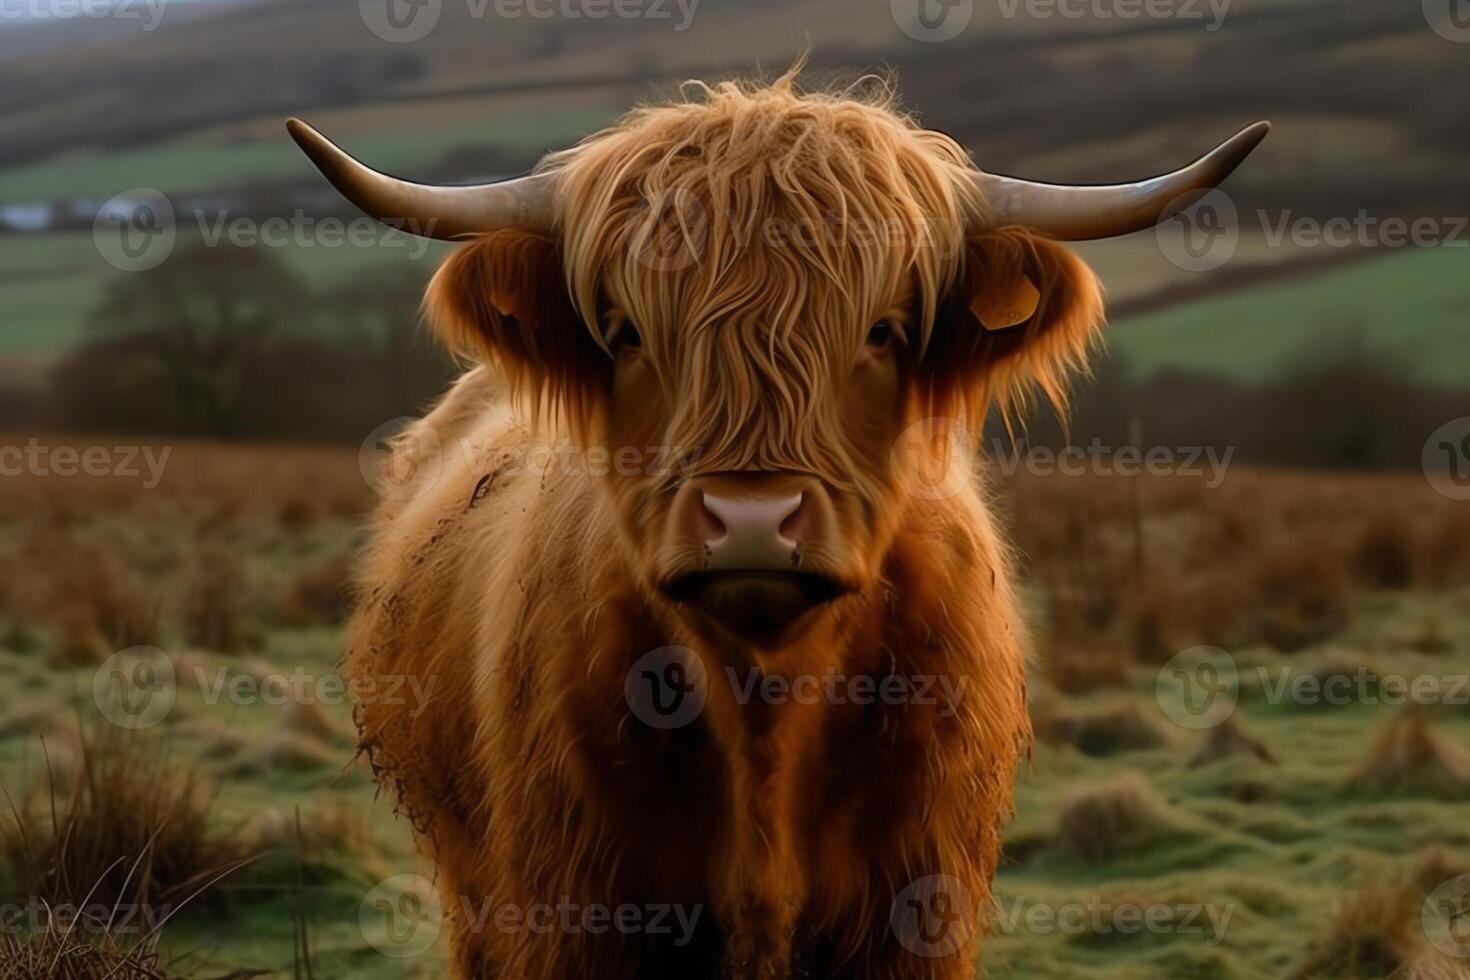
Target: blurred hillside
x,y
1366,98
1055,98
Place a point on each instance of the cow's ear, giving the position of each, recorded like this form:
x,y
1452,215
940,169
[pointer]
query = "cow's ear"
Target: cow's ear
x,y
1024,315
503,298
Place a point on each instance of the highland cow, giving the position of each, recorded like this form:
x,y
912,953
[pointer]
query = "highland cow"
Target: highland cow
x,y
718,442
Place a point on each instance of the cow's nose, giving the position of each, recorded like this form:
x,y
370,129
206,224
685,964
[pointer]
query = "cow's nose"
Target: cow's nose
x,y
751,532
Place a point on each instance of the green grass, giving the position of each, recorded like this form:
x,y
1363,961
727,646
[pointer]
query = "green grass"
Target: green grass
x,y
1280,864
52,283
1411,306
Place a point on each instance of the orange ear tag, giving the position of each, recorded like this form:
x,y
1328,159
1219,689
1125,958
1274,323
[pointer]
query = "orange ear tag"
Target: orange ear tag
x,y
997,309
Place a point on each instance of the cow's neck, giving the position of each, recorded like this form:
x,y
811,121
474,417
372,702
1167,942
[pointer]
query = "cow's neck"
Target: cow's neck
x,y
770,740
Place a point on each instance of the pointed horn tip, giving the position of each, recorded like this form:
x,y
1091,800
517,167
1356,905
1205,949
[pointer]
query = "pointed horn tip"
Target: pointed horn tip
x,y
303,132
1250,136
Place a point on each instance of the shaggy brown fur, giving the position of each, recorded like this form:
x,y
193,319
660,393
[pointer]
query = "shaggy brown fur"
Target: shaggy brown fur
x,y
521,597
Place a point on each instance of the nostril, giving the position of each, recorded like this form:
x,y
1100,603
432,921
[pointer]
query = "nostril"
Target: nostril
x,y
792,523
711,528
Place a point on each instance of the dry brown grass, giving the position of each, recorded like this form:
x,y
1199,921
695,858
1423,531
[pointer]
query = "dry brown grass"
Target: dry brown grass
x,y
59,954
1103,821
82,587
213,600
116,825
1121,727
286,485
1228,740
1410,756
320,594
1137,569
1375,932
1076,667
101,563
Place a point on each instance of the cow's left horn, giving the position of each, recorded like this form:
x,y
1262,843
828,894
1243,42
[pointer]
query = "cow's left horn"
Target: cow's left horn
x,y
1083,213
423,209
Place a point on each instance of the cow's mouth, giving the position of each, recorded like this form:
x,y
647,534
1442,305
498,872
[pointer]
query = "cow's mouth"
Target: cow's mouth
x,y
759,606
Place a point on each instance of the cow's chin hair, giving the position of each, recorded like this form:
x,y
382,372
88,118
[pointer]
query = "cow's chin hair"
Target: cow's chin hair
x,y
760,608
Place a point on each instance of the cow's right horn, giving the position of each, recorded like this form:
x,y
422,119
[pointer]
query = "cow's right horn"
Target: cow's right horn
x,y
1082,212
430,211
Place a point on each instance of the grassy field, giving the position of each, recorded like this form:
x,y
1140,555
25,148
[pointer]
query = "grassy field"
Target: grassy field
x,y
1407,308
53,284
1309,833
204,164
1281,847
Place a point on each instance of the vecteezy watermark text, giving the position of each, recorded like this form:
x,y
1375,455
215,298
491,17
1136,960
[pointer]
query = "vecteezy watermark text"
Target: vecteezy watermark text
x,y
406,21
148,11
403,458
1100,916
300,230
669,687
1212,12
138,229
836,688
402,916
137,688
1098,459
1205,235
35,915
1200,687
936,915
128,462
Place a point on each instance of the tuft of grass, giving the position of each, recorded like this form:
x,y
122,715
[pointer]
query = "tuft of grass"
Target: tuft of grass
x,y
60,953
214,599
1409,756
320,594
1375,932
121,827
1227,740
1122,727
1078,668
1103,821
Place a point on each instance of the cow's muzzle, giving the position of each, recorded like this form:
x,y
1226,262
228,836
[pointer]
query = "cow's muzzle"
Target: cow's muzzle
x,y
755,535
757,606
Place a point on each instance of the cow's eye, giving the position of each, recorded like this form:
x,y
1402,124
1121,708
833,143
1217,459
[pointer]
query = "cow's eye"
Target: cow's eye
x,y
880,335
623,336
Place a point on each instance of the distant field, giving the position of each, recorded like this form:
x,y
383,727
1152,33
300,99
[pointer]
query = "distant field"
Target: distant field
x,y
1411,307
51,284
190,165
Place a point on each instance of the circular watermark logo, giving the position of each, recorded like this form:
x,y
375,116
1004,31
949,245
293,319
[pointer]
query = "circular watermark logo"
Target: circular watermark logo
x,y
667,687
136,688
934,916
936,456
136,230
400,21
402,916
669,233
1446,459
932,21
1446,917
400,457
1198,688
1202,236
1450,19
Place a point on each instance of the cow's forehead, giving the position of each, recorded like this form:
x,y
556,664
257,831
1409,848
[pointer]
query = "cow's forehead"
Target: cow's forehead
x,y
766,202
